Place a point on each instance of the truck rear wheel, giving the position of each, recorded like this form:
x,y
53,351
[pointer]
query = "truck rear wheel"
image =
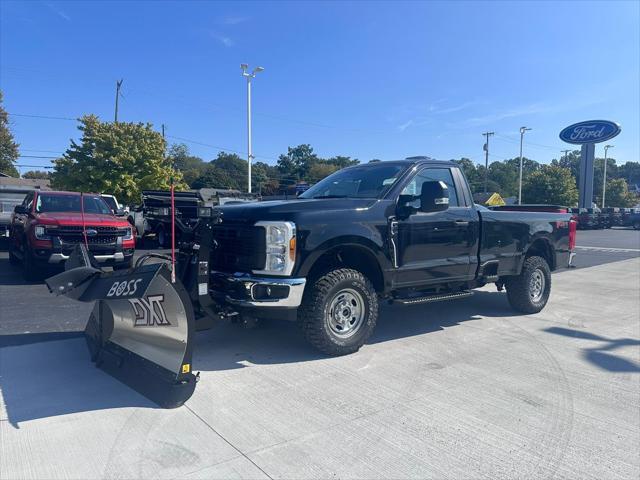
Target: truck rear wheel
x,y
339,311
529,291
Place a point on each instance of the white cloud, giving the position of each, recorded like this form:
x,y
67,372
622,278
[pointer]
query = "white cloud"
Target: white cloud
x,y
58,12
223,39
405,125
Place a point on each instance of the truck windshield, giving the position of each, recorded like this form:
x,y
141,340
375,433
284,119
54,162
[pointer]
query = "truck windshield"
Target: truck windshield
x,y
370,181
71,203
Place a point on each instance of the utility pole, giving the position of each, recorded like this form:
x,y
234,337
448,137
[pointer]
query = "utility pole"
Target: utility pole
x,y
566,153
163,130
522,130
486,159
249,77
118,85
604,175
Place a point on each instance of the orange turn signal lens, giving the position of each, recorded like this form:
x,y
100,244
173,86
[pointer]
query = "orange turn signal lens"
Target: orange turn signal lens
x,y
292,248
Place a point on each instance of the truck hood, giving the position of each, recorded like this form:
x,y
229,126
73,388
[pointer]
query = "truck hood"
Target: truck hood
x,y
250,213
74,219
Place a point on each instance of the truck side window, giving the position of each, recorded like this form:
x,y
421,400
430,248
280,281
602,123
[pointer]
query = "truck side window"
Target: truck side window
x,y
414,187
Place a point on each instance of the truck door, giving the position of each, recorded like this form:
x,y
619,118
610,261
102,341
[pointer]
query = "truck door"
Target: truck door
x,y
439,246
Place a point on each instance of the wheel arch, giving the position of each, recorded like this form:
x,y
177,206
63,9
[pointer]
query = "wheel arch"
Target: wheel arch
x,y
541,247
347,254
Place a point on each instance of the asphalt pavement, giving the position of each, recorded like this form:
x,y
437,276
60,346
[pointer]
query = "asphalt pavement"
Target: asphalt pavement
x,y
462,389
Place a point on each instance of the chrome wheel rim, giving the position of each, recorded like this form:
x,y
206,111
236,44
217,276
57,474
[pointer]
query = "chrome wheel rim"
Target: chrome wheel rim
x,y
537,285
345,314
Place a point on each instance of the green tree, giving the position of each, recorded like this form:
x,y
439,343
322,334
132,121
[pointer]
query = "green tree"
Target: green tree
x,y
618,194
8,147
235,168
37,175
191,166
213,177
319,170
297,162
340,161
550,184
117,158
630,171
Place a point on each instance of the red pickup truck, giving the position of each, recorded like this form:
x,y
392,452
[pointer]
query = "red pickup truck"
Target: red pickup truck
x,y
48,225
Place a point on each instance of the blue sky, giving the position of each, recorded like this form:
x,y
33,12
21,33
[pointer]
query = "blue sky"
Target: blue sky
x,y
368,80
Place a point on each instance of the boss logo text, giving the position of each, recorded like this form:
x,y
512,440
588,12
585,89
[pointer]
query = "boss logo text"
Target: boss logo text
x,y
124,289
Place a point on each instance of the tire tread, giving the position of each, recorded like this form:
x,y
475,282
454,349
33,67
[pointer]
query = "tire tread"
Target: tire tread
x,y
518,286
311,312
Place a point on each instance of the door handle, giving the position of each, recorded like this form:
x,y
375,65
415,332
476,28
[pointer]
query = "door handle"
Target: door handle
x,y
461,223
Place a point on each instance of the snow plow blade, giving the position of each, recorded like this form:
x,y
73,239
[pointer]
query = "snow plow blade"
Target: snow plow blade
x,y
141,328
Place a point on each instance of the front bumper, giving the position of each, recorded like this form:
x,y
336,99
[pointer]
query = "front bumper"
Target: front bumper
x,y
117,257
245,290
108,254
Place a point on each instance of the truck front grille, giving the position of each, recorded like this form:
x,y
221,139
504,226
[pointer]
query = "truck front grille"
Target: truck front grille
x,y
99,240
238,248
72,235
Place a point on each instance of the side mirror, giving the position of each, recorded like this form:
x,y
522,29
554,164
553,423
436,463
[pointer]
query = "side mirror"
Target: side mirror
x,y
434,196
20,210
120,212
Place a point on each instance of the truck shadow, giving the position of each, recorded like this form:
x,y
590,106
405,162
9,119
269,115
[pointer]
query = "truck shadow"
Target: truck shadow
x,y
48,375
599,354
228,346
12,274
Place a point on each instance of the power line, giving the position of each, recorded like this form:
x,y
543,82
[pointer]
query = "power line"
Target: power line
x,y
511,140
33,166
33,150
42,116
217,147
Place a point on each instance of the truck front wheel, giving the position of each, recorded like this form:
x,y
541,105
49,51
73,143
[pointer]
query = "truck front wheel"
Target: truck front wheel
x,y
339,311
529,291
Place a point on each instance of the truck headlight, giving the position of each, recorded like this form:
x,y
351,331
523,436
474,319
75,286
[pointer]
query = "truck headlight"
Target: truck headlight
x,y
281,247
41,233
129,234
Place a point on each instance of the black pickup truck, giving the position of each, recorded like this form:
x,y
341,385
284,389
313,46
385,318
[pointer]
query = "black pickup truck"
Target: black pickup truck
x,y
397,231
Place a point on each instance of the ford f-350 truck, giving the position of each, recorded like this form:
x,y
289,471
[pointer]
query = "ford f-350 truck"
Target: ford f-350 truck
x,y
397,231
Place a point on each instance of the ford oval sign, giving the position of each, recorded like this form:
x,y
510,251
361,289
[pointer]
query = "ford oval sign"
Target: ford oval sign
x,y
593,131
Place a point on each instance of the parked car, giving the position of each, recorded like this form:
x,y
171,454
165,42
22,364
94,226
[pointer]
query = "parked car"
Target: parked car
x,y
47,225
633,219
589,219
116,208
10,196
397,231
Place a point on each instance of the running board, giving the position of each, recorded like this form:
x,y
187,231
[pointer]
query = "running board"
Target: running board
x,y
434,298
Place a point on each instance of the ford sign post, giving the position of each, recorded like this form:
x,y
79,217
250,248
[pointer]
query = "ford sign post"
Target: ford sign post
x,y
588,134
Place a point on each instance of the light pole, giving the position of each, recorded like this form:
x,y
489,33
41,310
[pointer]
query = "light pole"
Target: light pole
x,y
522,130
604,176
249,76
